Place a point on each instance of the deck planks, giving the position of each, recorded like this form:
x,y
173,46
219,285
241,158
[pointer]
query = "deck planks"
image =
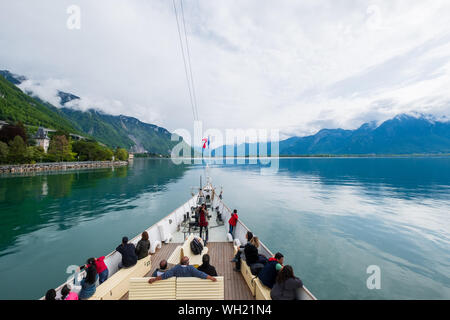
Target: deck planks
x,y
221,253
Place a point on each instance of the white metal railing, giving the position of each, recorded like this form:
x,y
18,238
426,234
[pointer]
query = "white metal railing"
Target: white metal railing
x,y
112,259
240,232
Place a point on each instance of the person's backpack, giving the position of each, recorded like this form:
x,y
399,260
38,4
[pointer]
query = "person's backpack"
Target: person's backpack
x,y
255,268
196,246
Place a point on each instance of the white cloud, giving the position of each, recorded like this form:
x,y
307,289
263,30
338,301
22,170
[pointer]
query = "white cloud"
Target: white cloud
x,y
294,65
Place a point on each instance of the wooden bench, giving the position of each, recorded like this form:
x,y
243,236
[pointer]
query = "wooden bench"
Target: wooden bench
x,y
261,291
117,285
248,276
194,259
200,289
175,257
140,289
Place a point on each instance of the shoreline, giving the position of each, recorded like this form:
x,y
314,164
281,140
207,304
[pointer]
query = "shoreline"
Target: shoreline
x,y
59,166
445,155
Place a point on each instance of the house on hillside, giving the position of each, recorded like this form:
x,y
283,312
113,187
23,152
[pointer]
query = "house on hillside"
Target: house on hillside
x,y
42,139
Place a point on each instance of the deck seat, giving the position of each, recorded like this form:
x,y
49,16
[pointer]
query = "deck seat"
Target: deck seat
x,y
261,291
194,259
140,289
117,285
200,289
175,257
248,276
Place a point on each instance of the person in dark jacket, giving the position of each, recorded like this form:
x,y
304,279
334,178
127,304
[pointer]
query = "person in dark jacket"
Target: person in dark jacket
x,y
161,270
251,252
286,285
143,246
88,283
206,267
100,265
127,250
237,257
269,273
203,222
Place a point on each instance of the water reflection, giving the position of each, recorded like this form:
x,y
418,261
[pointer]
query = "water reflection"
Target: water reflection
x,y
330,217
334,217
28,203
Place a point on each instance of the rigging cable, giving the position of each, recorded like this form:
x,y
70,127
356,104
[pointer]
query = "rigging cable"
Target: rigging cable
x,y
189,81
189,61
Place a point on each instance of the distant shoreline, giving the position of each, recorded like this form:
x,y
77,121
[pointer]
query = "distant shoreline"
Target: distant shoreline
x,y
414,155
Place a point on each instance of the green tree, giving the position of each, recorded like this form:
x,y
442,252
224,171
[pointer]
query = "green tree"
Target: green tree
x,y
92,151
35,154
60,149
4,150
17,150
121,154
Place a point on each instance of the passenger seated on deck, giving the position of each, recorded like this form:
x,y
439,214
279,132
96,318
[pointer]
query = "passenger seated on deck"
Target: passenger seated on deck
x,y
88,283
206,267
237,257
269,273
50,294
261,259
286,285
66,294
101,267
161,270
182,270
143,246
127,250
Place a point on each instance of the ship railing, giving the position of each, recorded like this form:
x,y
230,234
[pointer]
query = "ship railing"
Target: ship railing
x,y
240,232
112,260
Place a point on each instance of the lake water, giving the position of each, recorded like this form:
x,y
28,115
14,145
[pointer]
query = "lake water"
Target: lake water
x,y
331,218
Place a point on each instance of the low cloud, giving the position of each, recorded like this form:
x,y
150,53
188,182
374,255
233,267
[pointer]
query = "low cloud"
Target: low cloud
x,y
296,66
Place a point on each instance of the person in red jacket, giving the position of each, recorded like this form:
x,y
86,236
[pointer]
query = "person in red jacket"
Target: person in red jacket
x,y
233,220
203,222
100,266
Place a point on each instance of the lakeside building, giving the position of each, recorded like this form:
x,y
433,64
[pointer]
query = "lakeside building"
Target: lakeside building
x,y
42,139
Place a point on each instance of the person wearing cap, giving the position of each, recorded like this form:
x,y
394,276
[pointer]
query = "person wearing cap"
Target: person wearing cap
x,y
128,252
269,273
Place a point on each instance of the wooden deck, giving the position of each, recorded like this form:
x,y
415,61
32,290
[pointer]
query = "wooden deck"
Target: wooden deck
x,y
221,253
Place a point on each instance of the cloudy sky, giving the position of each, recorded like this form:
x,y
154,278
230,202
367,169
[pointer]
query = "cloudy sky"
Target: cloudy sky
x,y
298,66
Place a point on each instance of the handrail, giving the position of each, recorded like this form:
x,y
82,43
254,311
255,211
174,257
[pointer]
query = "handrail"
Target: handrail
x,y
71,278
261,243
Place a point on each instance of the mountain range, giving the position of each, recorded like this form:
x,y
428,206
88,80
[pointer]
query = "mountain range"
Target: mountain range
x,y
404,134
113,131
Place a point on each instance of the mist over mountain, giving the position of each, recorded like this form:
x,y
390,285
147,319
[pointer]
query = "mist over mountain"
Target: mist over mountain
x,y
114,131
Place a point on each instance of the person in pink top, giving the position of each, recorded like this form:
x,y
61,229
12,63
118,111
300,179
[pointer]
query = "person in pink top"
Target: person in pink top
x,y
66,294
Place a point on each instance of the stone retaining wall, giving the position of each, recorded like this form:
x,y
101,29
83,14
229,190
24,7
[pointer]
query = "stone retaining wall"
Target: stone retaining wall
x,y
51,166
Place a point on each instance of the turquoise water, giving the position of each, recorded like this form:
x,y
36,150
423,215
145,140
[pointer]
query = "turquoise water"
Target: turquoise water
x,y
331,218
